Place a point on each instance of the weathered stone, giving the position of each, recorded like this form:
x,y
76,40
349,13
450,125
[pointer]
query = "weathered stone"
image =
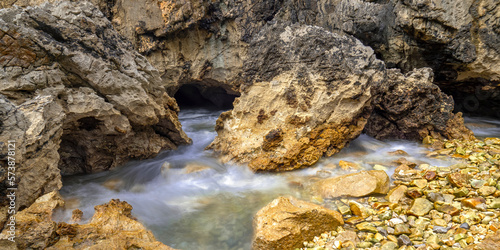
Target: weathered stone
x,y
396,194
473,202
300,90
420,207
287,222
34,226
401,229
491,242
458,179
487,190
111,227
35,127
113,107
354,185
398,115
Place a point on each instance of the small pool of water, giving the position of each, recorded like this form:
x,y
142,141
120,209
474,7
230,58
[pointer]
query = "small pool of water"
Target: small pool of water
x,y
191,201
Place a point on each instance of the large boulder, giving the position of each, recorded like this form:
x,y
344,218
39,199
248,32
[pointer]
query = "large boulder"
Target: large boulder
x,y
411,107
286,223
308,94
115,109
111,227
354,185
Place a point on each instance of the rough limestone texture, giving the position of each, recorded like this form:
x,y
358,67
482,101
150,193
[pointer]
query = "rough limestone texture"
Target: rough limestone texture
x,y
114,107
34,225
35,126
206,42
111,227
286,223
308,94
354,185
411,107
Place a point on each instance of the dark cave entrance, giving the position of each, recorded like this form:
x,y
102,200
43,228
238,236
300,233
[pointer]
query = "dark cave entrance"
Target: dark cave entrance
x,y
196,95
475,98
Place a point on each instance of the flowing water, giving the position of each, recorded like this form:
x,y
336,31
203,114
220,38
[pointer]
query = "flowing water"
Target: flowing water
x,y
191,201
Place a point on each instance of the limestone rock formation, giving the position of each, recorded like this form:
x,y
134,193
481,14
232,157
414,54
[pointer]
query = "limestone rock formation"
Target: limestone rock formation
x,y
34,225
309,92
206,42
114,107
354,185
307,95
286,223
111,227
411,107
34,129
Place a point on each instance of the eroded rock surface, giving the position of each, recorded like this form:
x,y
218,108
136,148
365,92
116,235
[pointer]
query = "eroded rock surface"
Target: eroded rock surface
x,y
308,95
411,107
286,223
114,107
309,92
34,130
111,227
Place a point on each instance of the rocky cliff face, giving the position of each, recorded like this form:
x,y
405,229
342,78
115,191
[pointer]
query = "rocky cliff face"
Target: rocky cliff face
x,y
206,41
76,97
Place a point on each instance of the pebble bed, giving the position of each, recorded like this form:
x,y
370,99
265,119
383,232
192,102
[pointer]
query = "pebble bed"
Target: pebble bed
x,y
428,207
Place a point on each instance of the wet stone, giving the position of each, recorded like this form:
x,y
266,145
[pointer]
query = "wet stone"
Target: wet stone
x,y
440,230
495,204
396,194
430,175
366,226
421,207
457,179
477,183
473,202
401,229
487,190
389,246
435,197
404,240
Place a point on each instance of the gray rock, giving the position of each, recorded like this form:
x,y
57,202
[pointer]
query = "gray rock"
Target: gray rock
x,y
114,108
404,240
440,230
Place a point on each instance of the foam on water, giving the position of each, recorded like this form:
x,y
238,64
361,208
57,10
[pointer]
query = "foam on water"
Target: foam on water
x,y
213,208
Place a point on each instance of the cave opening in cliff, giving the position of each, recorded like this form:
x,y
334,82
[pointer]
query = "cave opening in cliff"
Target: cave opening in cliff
x,y
198,95
475,98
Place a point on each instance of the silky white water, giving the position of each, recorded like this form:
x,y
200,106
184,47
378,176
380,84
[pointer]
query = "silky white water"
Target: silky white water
x,y
213,208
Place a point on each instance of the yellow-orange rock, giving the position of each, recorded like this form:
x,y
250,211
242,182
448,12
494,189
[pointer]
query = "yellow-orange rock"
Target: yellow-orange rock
x,y
286,223
354,185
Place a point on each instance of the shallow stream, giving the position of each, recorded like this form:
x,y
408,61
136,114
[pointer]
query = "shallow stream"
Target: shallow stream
x,y
191,201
